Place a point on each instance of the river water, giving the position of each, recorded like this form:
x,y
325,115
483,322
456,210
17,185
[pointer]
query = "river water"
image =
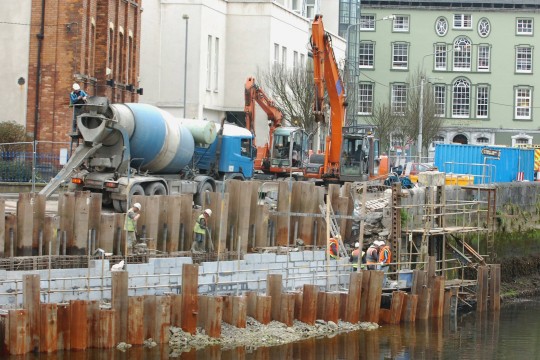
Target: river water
x,y
513,333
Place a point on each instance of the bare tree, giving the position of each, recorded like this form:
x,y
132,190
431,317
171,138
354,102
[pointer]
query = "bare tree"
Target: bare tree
x,y
431,124
293,90
387,124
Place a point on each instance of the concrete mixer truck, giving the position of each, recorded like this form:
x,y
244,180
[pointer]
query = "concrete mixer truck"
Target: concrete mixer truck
x,y
139,149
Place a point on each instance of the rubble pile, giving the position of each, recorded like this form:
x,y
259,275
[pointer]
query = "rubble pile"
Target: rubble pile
x,y
258,335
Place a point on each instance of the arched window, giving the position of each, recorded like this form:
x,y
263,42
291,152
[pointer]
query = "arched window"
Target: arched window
x,y
462,54
437,140
460,139
521,139
461,98
482,140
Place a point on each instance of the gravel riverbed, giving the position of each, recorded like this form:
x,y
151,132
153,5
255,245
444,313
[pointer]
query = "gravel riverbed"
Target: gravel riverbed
x,y
258,335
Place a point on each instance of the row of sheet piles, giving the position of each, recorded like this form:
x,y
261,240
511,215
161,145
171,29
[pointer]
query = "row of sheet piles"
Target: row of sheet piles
x,y
82,324
238,223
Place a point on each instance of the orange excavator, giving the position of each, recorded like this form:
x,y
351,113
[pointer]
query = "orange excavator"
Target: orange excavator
x,y
351,153
285,144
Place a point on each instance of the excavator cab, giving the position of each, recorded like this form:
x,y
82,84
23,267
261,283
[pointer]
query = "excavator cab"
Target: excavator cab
x,y
359,154
289,151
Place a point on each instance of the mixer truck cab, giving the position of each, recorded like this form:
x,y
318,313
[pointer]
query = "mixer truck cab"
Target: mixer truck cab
x,y
234,160
139,149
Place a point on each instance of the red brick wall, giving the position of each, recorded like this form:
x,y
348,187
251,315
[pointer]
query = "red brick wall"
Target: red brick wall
x,y
80,52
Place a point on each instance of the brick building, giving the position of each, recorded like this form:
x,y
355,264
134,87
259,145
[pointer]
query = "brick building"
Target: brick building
x,y
92,42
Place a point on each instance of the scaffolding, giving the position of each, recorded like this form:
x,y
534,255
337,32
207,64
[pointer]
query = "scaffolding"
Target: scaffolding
x,y
458,232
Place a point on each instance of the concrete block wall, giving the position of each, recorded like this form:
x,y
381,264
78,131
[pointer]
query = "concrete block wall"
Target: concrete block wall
x,y
164,275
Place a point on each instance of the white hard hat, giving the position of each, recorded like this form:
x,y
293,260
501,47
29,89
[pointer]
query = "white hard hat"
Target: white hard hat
x,y
76,87
137,205
357,245
379,243
208,212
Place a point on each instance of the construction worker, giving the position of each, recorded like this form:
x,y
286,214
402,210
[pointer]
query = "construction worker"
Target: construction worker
x,y
333,248
385,258
199,230
372,256
77,98
130,225
354,257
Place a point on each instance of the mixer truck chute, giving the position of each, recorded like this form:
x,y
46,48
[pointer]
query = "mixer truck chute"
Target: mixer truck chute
x,y
138,149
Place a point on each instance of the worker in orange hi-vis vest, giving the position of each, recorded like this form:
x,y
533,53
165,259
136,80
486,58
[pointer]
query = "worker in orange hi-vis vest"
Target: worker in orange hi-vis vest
x,y
372,256
333,248
385,258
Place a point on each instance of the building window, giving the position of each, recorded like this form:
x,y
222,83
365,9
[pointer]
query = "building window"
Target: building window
x,y
111,48
462,21
92,50
440,56
441,26
522,141
439,92
437,140
482,140
399,99
365,98
484,27
524,26
461,98
462,54
295,60
401,23
344,12
216,64
523,103
523,59
483,57
130,61
121,59
366,55
400,56
302,60
367,22
284,56
208,64
276,54
310,9
482,101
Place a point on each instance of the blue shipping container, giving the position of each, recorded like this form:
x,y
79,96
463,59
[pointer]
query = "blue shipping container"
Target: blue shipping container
x,y
469,159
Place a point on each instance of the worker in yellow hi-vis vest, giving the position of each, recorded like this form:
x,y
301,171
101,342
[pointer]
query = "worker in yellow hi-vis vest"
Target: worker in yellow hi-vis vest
x,y
199,231
130,225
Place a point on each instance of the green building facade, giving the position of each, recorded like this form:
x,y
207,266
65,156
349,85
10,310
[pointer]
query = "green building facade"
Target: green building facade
x,y
478,58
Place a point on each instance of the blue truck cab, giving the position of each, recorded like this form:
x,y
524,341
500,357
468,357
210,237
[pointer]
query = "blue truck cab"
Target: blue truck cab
x,y
236,155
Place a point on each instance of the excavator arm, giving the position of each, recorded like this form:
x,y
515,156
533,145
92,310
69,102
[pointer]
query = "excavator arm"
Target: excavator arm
x,y
254,94
327,76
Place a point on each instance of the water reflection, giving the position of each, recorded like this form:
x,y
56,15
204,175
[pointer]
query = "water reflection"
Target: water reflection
x,y
514,333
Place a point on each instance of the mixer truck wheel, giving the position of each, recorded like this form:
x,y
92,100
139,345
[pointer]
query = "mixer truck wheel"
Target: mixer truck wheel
x,y
199,198
121,205
156,188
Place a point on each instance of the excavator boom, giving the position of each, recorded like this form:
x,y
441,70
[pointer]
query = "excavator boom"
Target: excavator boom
x,y
326,75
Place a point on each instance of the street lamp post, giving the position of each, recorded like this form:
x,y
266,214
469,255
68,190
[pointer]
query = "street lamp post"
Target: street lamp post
x,y
420,119
352,76
185,17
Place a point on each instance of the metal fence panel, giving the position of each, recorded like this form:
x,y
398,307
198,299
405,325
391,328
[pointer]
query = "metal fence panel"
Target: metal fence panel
x,y
26,162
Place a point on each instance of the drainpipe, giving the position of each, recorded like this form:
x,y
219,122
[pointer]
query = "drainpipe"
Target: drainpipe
x,y
40,37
